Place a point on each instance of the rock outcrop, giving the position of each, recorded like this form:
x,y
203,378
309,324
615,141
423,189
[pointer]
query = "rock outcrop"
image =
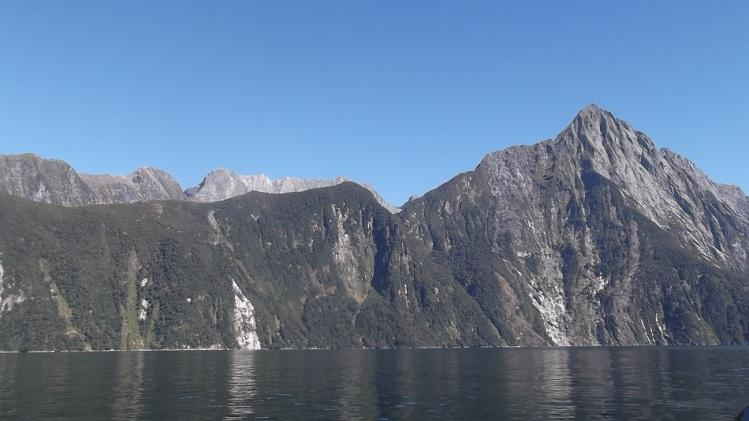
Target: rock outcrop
x,y
55,182
43,180
222,184
145,184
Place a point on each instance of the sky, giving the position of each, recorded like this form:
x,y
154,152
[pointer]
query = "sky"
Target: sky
x,y
402,95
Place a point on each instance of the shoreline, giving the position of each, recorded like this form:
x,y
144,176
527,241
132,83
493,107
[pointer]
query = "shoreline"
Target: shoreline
x,y
520,347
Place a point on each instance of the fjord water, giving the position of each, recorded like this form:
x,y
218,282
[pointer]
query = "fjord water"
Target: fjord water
x,y
525,383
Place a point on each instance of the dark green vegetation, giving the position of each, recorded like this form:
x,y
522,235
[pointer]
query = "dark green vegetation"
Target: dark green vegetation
x,y
534,247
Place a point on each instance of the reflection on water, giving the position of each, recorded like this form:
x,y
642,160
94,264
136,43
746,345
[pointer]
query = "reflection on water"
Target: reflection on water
x,y
129,379
241,385
585,383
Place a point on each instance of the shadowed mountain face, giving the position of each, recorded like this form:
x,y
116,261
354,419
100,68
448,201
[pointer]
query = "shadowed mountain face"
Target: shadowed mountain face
x,y
594,237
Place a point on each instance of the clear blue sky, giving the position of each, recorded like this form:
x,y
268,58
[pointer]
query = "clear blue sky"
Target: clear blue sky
x,y
403,95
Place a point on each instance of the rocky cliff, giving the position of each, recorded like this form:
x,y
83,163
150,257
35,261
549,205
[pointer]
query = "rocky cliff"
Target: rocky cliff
x,y
42,180
55,182
143,185
222,184
595,237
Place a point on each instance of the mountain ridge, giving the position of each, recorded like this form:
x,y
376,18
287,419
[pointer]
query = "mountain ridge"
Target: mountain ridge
x,y
23,175
594,237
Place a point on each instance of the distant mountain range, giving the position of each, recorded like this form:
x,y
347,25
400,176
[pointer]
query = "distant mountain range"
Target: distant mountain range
x,y
54,181
594,237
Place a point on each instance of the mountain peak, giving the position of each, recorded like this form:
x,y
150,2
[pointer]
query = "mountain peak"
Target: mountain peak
x,y
147,169
220,171
600,131
663,186
221,184
593,113
593,107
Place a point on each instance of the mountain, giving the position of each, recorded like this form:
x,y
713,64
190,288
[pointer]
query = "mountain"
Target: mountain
x,y
222,184
595,237
55,182
143,185
42,180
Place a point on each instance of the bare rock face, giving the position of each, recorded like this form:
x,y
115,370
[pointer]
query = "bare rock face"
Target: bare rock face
x,y
666,187
218,185
55,182
588,235
41,180
145,184
222,184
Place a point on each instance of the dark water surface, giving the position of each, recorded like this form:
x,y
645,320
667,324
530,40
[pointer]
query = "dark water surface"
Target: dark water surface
x,y
513,384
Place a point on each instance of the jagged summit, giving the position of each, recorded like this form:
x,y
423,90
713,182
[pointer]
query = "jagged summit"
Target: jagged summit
x,y
599,130
666,187
595,137
592,131
143,184
591,116
42,180
591,110
54,181
221,184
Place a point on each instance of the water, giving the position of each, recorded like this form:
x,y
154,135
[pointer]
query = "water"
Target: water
x,y
522,384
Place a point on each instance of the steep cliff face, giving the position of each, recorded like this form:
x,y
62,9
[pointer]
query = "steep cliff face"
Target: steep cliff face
x,y
145,184
222,184
42,180
55,182
594,237
571,231
665,187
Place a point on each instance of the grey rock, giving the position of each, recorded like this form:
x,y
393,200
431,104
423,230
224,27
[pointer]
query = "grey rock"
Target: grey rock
x,y
43,180
571,230
55,182
145,184
222,184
